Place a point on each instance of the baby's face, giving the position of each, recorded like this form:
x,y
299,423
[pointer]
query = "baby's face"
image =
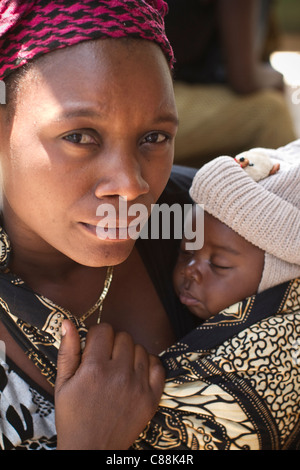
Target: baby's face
x,y
226,270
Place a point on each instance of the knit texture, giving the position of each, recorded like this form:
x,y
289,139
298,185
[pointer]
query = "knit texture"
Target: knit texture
x,y
35,27
265,213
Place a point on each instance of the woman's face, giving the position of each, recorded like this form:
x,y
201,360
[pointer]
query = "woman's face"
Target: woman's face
x,y
93,123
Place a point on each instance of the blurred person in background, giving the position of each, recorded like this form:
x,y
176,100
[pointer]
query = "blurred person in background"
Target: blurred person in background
x,y
229,98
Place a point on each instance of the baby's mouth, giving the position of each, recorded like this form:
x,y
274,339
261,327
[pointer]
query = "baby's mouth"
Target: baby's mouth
x,y
188,299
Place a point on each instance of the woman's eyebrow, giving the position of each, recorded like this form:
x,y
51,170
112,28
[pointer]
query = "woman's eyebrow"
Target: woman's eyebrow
x,y
92,113
82,112
170,117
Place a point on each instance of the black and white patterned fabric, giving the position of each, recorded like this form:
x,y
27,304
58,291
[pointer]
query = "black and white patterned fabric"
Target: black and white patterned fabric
x,y
27,419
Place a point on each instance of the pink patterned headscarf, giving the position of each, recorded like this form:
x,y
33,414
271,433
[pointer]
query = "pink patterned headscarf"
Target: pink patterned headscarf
x,y
31,28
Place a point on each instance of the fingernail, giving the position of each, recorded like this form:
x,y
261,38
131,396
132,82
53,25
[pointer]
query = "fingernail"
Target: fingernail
x,y
63,330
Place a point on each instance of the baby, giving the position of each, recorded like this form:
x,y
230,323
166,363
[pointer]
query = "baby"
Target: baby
x,y
251,230
232,382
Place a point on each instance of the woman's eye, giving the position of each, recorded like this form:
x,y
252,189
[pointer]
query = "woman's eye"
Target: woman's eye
x,y
155,138
80,138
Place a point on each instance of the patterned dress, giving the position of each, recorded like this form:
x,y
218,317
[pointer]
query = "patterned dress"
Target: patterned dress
x,y
234,382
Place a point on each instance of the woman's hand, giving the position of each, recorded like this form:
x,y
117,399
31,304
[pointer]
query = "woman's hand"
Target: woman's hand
x,y
104,397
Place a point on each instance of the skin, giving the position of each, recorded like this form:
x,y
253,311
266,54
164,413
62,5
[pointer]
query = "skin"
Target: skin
x,y
224,271
91,123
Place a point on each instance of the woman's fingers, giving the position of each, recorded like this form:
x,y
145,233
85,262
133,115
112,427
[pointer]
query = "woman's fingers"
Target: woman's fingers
x,y
124,350
69,354
156,376
99,343
105,397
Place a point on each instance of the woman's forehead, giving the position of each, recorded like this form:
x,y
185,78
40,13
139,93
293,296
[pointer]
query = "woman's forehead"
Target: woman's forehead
x,y
96,59
98,76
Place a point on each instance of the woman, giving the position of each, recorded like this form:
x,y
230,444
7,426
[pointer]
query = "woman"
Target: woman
x,y
84,126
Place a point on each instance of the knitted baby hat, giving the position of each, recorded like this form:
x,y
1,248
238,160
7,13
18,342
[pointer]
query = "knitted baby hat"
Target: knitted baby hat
x,y
265,210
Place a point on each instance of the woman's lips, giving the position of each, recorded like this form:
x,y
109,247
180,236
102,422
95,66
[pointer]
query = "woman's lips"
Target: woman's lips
x,y
112,233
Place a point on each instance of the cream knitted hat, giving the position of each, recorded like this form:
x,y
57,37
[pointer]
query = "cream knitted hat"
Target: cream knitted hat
x,y
266,212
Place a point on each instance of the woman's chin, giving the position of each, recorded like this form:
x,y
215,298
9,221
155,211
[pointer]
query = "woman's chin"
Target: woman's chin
x,y
111,253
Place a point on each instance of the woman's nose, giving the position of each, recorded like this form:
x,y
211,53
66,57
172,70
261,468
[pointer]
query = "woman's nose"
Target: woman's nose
x,y
122,177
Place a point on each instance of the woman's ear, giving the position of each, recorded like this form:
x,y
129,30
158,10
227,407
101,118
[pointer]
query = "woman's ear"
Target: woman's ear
x,y
2,121
3,118
2,92
4,131
3,111
2,103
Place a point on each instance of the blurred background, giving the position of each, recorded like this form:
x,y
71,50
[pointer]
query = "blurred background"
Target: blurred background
x,y
287,59
236,77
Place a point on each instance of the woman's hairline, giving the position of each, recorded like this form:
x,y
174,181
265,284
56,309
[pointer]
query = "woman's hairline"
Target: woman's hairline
x,y
13,81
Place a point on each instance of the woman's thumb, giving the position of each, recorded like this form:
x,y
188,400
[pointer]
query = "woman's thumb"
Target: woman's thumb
x,y
69,354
